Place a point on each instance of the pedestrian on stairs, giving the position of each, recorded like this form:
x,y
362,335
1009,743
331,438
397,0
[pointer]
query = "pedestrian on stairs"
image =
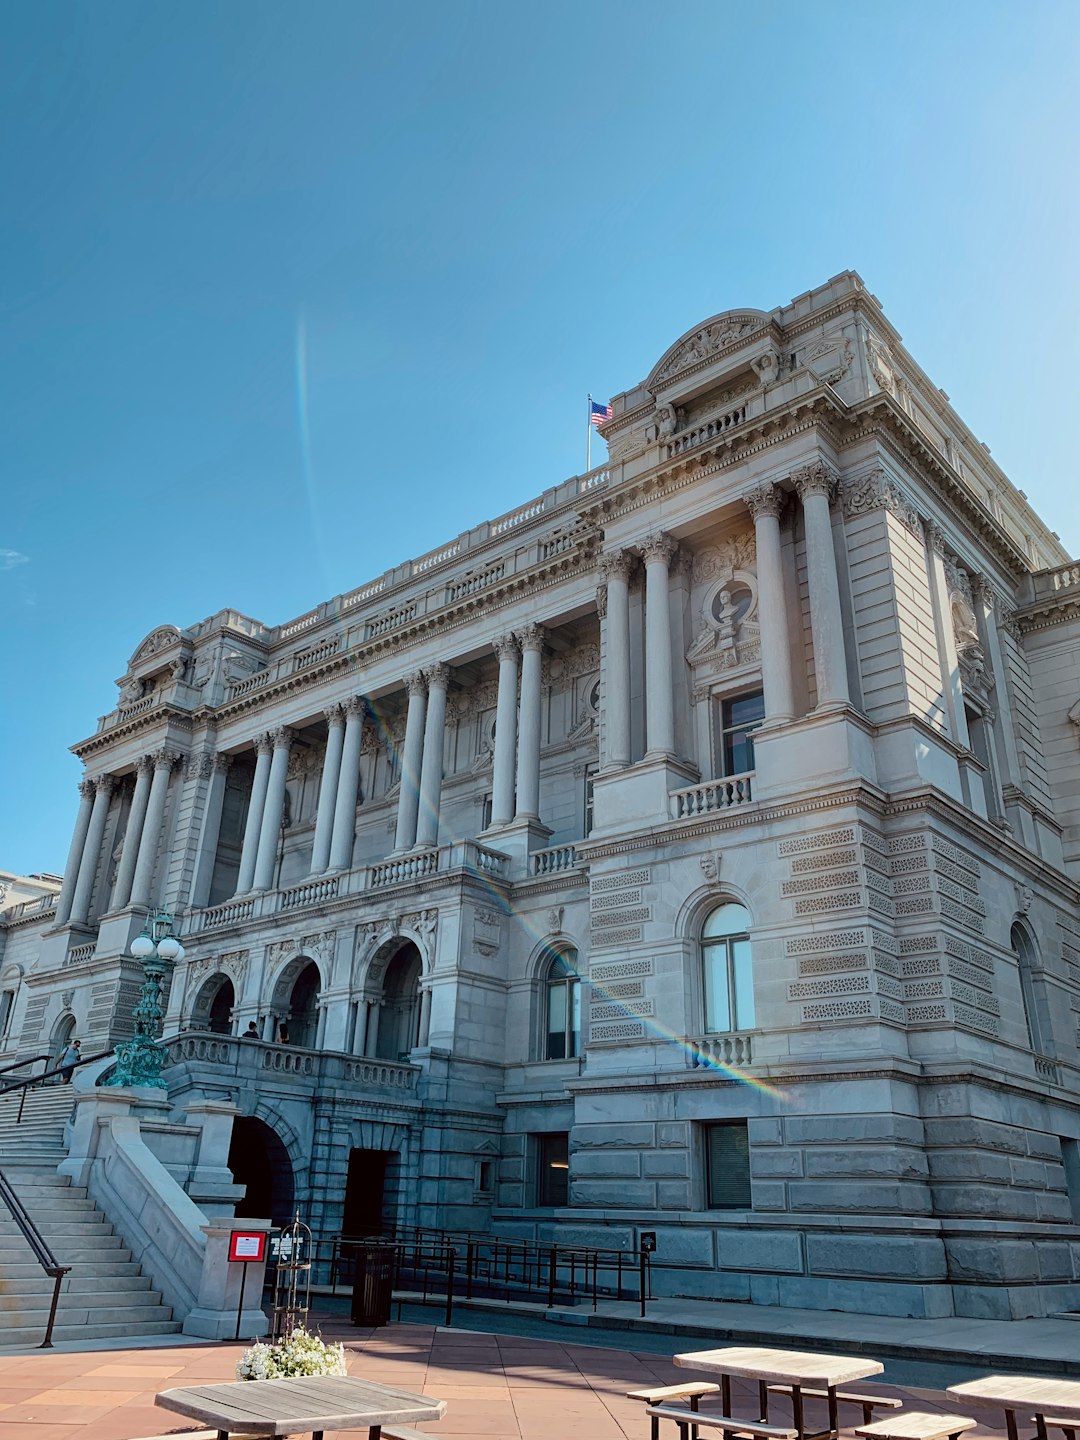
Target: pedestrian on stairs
x,y
68,1058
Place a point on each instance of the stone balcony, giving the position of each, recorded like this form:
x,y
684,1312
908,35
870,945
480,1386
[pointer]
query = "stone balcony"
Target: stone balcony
x,y
197,1057
711,796
457,859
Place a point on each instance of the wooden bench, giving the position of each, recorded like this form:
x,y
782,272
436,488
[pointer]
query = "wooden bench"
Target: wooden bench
x,y
1054,1423
657,1394
689,1421
846,1397
403,1432
195,1435
917,1425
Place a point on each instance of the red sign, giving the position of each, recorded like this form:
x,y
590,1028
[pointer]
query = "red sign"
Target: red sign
x,y
247,1246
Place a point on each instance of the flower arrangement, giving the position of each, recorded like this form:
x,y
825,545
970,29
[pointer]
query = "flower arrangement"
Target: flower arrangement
x,y
301,1353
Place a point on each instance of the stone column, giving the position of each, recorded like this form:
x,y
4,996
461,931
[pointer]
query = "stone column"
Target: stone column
x,y
136,818
272,809
815,484
425,1015
431,773
658,550
409,787
75,851
617,566
371,1038
341,845
948,654
150,842
264,748
1005,732
502,790
206,855
765,505
324,815
531,639
91,854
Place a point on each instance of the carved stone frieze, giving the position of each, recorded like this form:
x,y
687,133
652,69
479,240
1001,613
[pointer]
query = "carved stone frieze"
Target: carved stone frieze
x,y
719,562
830,359
879,491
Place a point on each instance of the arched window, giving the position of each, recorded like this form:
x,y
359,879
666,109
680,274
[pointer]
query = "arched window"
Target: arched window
x,y
727,970
562,1006
1038,1025
7,1005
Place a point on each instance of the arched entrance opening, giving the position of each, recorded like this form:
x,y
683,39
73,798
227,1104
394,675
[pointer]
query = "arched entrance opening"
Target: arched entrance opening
x,y
399,1020
259,1160
63,1032
214,1006
303,1007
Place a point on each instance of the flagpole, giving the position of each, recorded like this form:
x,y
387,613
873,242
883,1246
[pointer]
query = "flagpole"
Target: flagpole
x,y
588,435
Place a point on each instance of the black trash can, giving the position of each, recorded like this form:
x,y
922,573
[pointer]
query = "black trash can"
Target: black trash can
x,y
373,1284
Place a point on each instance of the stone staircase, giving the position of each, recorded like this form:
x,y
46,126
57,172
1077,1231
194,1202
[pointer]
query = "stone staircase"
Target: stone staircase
x,y
105,1295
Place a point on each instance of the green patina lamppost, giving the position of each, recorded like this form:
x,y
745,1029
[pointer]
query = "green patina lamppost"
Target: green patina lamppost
x,y
139,1060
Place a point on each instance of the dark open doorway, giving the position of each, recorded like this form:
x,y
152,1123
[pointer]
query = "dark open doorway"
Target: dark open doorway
x,y
259,1160
365,1193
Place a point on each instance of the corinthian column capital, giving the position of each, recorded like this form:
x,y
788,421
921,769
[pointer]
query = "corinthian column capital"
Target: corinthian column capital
x,y
264,744
144,764
104,784
936,536
531,637
334,715
815,479
659,548
437,675
616,565
355,707
506,647
416,684
766,500
87,788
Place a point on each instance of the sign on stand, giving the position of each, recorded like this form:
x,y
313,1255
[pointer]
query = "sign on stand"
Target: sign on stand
x,y
246,1247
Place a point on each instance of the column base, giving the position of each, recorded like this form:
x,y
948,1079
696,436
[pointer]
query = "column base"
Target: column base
x,y
831,743
640,794
517,840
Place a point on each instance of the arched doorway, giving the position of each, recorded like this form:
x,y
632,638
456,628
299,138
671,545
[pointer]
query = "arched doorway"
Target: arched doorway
x,y
399,1019
63,1032
304,1007
295,1001
214,1005
259,1160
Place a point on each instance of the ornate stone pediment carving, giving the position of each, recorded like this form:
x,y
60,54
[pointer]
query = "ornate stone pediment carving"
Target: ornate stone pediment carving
x,y
160,639
719,562
715,335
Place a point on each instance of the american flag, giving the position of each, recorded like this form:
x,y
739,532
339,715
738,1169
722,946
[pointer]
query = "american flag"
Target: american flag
x,y
599,414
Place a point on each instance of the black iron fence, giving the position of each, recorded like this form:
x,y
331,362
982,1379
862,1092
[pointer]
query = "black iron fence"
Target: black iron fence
x,y
461,1265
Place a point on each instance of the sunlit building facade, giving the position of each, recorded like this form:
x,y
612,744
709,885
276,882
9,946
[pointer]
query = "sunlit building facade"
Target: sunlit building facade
x,y
693,848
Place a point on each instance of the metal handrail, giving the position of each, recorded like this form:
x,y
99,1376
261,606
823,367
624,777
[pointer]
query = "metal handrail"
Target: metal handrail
x,y
42,1254
18,1064
25,1085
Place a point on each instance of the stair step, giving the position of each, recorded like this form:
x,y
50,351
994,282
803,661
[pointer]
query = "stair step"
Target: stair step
x,y
133,1317
77,1283
17,1271
31,1334
105,1252
111,1302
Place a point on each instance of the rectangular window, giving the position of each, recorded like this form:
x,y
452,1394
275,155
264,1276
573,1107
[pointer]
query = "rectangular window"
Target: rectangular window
x,y
739,718
727,1166
552,1169
586,828
485,812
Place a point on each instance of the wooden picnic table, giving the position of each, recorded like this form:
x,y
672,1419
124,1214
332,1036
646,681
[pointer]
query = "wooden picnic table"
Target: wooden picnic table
x,y
291,1407
798,1369
1033,1394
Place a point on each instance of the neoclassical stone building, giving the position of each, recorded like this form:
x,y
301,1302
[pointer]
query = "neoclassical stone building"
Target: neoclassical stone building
x,y
693,848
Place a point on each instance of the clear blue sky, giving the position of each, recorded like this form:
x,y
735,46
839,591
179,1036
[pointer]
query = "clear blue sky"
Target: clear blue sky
x,y
472,214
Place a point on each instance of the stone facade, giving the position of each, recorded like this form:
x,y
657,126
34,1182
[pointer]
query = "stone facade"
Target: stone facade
x,y
561,943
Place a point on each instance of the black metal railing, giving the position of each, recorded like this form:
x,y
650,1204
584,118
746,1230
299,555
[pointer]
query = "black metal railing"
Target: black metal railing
x,y
36,1080
20,1064
467,1265
42,1254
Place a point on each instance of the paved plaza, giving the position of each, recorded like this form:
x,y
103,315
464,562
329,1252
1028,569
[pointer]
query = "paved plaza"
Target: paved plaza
x,y
497,1387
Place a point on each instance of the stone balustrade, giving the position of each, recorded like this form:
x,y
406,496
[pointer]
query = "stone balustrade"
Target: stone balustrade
x,y
404,868
517,517
713,795
733,1049
718,425
297,627
248,684
138,707
311,892
325,650
437,557
473,583
553,860
1047,1070
79,954
229,914
315,1069
28,910
594,479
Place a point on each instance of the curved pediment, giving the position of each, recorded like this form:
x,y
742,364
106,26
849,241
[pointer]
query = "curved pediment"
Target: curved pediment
x,y
160,639
703,342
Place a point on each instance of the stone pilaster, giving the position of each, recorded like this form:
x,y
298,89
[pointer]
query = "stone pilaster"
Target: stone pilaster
x,y
531,639
125,874
657,551
816,485
273,809
344,834
427,825
91,852
765,505
616,567
502,794
206,852
87,792
264,748
328,787
150,840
